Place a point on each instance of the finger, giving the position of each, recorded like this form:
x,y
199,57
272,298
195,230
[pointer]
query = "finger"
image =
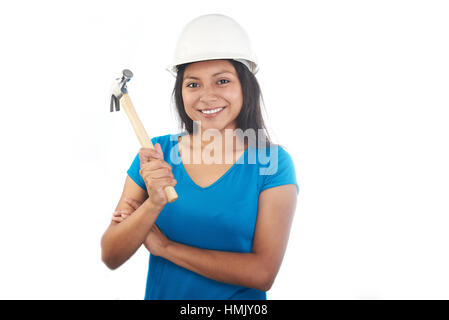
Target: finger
x,y
163,183
145,151
161,173
155,164
119,212
124,216
145,154
151,156
159,150
156,172
117,219
156,153
116,214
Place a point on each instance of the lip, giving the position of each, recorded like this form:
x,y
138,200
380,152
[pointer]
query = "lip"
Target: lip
x,y
212,114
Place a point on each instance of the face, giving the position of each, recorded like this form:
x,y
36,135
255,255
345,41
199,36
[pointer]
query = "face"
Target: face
x,y
209,85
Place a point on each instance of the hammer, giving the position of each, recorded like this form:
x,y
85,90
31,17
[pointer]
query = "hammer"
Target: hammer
x,y
119,96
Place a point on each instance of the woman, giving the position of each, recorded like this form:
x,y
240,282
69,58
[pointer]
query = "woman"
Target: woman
x,y
226,234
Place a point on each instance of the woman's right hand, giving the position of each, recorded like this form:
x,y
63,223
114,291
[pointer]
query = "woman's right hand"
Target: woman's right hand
x,y
156,173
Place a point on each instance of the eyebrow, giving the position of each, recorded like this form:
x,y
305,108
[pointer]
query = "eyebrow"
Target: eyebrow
x,y
215,74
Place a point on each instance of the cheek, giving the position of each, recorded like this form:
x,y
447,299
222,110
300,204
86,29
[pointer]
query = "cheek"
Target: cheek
x,y
189,101
236,98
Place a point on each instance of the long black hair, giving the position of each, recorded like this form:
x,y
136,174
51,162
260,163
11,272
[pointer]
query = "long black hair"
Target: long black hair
x,y
250,116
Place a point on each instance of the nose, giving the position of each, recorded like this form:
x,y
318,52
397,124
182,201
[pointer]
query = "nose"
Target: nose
x,y
208,96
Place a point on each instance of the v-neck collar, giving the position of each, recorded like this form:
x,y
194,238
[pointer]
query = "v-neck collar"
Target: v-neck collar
x,y
239,161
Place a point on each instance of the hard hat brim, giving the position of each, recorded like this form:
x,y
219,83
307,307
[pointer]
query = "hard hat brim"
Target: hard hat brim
x,y
251,65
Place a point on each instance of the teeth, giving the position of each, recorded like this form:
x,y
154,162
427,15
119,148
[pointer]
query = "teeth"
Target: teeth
x,y
211,111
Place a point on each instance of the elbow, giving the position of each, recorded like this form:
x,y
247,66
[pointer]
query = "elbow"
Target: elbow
x,y
107,257
266,284
266,280
109,262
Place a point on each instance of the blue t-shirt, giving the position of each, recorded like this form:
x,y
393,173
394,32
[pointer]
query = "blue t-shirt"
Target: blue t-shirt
x,y
221,217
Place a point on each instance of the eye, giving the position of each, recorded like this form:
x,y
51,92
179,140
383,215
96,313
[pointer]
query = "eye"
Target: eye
x,y
190,84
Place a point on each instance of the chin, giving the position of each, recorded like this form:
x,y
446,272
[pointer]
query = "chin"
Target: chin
x,y
216,126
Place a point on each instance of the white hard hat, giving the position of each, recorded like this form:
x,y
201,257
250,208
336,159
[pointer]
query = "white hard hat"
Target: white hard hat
x,y
213,36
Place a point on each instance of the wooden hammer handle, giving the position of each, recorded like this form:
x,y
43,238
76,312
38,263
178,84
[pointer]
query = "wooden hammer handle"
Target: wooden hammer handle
x,y
145,141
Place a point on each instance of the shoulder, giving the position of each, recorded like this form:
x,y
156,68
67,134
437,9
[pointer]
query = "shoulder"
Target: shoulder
x,y
276,167
282,151
272,156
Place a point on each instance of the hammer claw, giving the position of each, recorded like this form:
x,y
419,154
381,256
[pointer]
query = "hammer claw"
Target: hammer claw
x,y
117,104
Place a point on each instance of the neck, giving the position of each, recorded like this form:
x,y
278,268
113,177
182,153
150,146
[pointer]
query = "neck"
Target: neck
x,y
217,139
214,146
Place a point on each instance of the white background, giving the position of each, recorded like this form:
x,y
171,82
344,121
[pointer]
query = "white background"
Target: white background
x,y
357,91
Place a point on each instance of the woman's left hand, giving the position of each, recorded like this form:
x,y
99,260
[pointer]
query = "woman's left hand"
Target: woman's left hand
x,y
119,216
156,242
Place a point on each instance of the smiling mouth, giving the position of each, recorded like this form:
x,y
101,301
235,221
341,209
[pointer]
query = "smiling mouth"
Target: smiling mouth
x,y
211,111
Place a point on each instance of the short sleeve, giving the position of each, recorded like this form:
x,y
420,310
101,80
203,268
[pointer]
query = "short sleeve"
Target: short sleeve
x,y
134,170
278,170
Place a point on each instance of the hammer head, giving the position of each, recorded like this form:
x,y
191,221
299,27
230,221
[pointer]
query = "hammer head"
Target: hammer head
x,y
119,88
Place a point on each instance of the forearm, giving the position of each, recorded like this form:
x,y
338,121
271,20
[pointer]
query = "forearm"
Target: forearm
x,y
121,240
242,269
